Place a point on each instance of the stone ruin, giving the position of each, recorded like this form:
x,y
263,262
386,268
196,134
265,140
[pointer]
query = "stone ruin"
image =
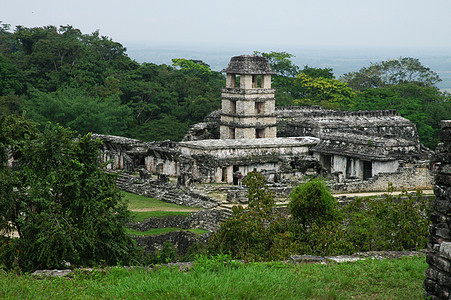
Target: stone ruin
x,y
357,151
437,284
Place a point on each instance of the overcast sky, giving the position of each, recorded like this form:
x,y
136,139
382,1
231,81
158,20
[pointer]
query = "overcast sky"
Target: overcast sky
x,y
366,23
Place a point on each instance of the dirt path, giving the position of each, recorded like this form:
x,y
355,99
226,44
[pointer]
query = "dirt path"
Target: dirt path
x,y
426,192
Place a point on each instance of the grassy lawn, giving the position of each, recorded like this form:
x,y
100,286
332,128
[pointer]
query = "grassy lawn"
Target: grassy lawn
x,y
144,207
141,202
165,230
371,279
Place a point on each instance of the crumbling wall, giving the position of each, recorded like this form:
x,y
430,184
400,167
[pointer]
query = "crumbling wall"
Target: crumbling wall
x,y
164,190
437,284
408,176
207,219
181,240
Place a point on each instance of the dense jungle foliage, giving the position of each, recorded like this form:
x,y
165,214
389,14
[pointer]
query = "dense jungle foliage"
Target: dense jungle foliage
x,y
88,83
318,225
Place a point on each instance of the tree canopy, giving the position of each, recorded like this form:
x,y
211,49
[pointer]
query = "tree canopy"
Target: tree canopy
x,y
391,72
87,82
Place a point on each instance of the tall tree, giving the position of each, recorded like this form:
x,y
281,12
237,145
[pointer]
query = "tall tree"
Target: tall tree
x,y
391,72
64,207
329,93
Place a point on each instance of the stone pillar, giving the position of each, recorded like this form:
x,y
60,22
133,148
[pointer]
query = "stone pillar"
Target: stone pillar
x,y
437,284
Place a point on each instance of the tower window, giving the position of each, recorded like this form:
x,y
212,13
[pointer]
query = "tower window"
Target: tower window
x,y
232,133
257,81
259,108
232,80
260,133
233,107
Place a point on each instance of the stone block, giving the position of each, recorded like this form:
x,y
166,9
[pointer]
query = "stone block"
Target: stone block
x,y
442,293
445,135
443,232
444,280
439,263
431,274
430,285
307,259
445,250
429,296
437,218
441,157
443,148
441,206
439,191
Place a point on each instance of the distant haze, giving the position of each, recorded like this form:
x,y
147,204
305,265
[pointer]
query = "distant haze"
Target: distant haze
x,y
351,23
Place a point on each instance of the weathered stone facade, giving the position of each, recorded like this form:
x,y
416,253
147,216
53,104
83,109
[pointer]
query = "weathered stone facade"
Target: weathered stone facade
x,y
360,151
438,276
248,102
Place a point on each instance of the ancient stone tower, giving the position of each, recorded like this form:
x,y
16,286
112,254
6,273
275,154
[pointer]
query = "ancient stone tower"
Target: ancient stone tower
x,y
248,101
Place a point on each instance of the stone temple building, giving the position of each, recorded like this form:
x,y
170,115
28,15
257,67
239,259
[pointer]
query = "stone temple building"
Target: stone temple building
x,y
357,151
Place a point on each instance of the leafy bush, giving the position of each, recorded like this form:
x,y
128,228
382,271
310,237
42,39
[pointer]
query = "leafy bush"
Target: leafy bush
x,y
256,232
311,203
318,226
317,221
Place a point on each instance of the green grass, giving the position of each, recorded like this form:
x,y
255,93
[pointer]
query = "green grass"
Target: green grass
x,y
164,230
141,202
371,279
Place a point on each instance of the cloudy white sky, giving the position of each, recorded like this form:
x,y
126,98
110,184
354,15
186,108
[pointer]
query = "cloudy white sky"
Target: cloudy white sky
x,y
366,23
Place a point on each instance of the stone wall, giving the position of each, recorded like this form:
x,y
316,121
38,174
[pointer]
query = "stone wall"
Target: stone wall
x,y
164,190
438,276
207,219
181,240
408,176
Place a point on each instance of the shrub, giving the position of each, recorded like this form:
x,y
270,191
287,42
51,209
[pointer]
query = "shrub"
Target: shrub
x,y
311,203
390,223
256,232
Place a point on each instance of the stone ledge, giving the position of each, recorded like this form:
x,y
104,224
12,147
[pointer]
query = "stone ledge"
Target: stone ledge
x,y
251,143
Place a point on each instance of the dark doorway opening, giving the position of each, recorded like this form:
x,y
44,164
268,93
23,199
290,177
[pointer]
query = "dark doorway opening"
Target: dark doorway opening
x,y
224,174
367,169
326,162
235,175
348,167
